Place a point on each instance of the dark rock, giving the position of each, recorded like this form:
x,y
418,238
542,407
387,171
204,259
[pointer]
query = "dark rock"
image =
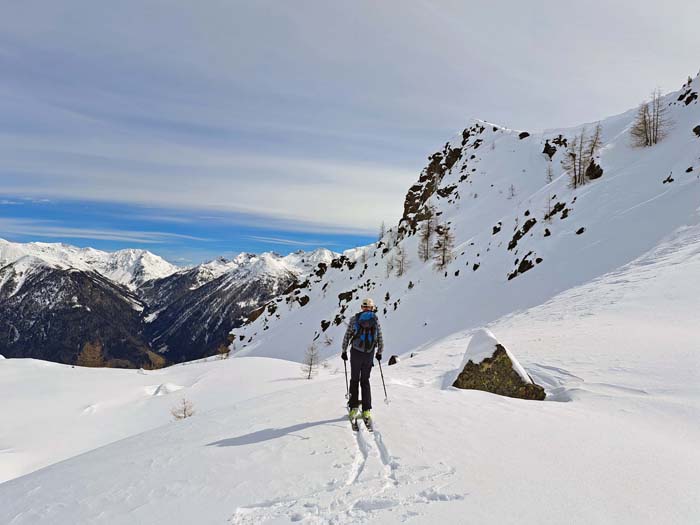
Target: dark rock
x,y
394,359
559,206
521,232
580,230
696,130
689,169
322,268
549,150
523,267
346,296
593,171
560,140
523,135
497,373
547,233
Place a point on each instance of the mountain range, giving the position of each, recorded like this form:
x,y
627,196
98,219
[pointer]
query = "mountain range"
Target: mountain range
x,y
130,308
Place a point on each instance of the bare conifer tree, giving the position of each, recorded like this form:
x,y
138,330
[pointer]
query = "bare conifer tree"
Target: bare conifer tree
x,y
444,246
652,122
641,128
660,122
390,263
182,410
223,351
91,355
550,172
511,191
581,157
580,151
593,143
548,210
425,240
569,161
382,231
400,261
310,365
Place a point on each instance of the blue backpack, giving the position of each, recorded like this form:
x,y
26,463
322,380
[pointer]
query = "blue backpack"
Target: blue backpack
x,y
365,332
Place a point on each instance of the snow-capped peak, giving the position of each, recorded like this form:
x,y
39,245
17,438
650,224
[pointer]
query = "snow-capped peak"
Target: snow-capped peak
x,y
129,267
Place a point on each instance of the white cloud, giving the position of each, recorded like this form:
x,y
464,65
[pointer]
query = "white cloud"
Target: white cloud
x,y
45,228
320,116
289,242
292,192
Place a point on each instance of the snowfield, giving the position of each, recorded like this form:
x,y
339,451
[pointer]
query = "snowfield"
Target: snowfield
x,y
615,443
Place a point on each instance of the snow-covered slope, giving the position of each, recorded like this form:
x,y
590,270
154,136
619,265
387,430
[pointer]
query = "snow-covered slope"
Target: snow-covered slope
x,y
129,267
620,446
191,312
519,238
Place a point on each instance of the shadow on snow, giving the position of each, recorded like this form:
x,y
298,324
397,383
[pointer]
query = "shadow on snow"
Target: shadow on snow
x,y
268,434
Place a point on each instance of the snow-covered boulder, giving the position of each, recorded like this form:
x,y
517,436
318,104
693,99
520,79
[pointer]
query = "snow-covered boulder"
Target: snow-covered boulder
x,y
490,366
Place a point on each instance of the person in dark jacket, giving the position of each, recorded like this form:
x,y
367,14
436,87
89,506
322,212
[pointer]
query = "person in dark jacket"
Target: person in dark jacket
x,y
365,335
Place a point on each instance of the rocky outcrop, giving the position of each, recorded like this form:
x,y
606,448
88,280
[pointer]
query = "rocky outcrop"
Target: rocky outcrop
x,y
549,150
593,171
492,368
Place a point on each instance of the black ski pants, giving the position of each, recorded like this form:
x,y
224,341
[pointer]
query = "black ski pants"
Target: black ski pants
x,y
360,368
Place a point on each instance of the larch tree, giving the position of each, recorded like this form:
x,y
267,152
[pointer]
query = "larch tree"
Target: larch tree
x,y
310,365
182,410
91,355
400,261
425,239
652,123
550,172
444,246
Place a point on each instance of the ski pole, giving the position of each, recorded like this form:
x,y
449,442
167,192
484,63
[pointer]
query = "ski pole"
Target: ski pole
x,y
386,397
347,388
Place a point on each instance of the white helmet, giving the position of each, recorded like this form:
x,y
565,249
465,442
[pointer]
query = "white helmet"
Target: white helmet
x,y
367,303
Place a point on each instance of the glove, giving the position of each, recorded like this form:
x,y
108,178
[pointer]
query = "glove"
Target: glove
x,y
379,356
344,356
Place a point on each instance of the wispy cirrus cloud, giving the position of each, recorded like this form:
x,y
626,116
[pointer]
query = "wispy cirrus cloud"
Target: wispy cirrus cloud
x,y
290,242
49,229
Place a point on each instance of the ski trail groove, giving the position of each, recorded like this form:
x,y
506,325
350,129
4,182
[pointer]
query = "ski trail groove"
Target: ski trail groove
x,y
360,460
376,484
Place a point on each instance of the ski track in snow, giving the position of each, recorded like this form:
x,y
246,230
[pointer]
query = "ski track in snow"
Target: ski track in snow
x,y
377,483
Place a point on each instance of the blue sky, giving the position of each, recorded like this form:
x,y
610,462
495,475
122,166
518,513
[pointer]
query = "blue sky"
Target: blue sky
x,y
197,129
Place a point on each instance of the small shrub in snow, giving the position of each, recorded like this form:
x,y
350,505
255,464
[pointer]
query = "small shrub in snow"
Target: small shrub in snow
x,y
182,410
311,361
